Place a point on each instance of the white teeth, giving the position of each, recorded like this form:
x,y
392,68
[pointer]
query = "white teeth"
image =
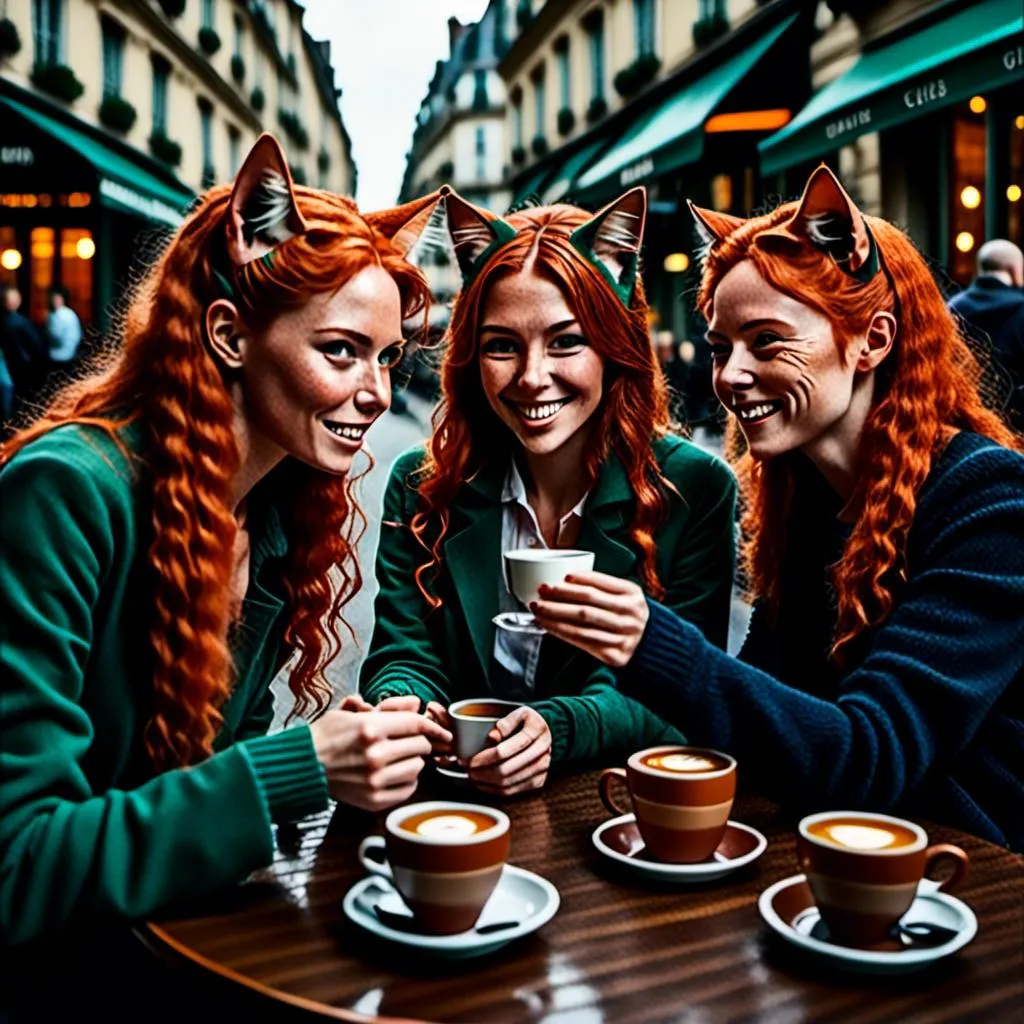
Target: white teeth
x,y
756,411
541,412
352,433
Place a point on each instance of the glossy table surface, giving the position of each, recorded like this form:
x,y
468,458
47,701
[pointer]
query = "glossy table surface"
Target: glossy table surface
x,y
618,950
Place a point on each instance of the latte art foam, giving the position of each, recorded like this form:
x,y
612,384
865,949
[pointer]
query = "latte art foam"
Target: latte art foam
x,y
682,763
449,825
861,837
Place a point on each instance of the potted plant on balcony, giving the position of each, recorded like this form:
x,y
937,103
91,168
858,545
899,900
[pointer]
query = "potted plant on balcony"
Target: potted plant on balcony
x,y
10,41
237,68
518,155
566,121
164,149
117,114
707,30
597,109
58,80
173,8
539,146
257,100
636,75
209,41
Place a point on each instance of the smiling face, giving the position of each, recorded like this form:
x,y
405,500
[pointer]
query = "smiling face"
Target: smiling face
x,y
541,376
777,365
319,375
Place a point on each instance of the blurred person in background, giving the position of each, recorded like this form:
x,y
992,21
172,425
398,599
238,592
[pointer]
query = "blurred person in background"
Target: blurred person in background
x,y
993,310
64,330
24,349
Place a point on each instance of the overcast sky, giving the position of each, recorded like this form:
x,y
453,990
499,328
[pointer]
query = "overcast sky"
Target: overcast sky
x,y
383,53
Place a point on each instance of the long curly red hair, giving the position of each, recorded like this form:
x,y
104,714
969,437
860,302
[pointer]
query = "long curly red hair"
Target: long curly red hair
x,y
634,407
928,387
164,375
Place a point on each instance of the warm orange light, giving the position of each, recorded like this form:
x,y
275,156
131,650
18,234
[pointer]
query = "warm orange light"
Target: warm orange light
x,y
965,241
749,121
1019,122
1013,193
85,248
676,262
970,197
10,259
79,199
978,105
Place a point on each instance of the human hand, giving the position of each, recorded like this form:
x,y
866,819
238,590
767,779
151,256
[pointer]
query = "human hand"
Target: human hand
x,y
600,614
354,702
520,759
372,759
439,714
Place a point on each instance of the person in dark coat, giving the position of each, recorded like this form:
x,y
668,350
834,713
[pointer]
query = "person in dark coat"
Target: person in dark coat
x,y
993,309
24,349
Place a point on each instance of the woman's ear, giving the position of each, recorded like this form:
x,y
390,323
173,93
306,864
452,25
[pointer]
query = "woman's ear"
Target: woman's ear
x,y
877,343
223,330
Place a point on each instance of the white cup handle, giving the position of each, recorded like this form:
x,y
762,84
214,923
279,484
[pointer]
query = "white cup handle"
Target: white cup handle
x,y
928,886
375,867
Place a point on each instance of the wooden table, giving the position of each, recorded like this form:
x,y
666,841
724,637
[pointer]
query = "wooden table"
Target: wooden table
x,y
618,950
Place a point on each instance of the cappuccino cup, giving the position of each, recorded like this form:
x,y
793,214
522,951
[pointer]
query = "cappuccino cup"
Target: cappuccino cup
x,y
444,858
681,798
471,721
864,870
527,568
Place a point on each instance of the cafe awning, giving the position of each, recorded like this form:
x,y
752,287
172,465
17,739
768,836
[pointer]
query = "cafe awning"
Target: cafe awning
x,y
123,184
533,183
562,183
977,49
672,134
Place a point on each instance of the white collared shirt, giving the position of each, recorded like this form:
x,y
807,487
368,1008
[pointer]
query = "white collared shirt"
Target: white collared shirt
x,y
518,653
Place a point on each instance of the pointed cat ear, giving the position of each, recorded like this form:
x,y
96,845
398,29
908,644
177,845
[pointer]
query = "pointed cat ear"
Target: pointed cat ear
x,y
263,212
475,234
829,219
713,226
611,240
406,224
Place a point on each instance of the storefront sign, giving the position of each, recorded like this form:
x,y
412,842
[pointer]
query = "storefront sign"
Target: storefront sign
x,y
855,121
922,95
18,156
146,206
641,169
1013,59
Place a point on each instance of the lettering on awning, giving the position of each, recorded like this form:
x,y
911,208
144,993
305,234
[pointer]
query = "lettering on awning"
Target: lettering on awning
x,y
641,169
848,122
147,206
922,95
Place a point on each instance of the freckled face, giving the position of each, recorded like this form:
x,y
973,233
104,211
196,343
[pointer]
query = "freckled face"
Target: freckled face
x,y
540,375
777,366
319,375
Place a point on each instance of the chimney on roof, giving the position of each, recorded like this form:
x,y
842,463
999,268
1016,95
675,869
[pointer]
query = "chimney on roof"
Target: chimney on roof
x,y
455,30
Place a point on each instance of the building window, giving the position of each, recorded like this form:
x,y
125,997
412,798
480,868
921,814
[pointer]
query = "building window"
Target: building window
x,y
562,59
595,35
710,9
480,89
47,27
206,128
208,13
481,154
237,50
113,57
517,120
234,150
643,22
538,101
161,74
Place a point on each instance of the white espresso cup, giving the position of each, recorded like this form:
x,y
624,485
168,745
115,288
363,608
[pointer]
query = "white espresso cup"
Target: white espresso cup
x,y
471,721
527,568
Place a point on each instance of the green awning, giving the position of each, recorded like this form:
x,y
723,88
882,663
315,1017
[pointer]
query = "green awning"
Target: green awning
x,y
974,50
532,184
672,134
562,183
123,184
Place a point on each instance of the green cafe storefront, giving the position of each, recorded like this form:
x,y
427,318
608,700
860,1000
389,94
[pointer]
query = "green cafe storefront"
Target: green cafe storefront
x,y
946,99
78,208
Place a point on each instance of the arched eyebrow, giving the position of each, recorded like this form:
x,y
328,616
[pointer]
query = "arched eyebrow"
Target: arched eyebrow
x,y
555,328
358,337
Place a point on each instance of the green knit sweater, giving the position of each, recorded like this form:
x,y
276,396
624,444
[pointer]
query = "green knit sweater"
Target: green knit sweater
x,y
88,834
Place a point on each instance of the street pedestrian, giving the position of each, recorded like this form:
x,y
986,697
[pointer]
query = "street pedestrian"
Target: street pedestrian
x,y
64,330
24,349
171,527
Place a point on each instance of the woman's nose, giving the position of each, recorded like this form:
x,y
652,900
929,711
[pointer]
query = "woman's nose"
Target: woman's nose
x,y
374,396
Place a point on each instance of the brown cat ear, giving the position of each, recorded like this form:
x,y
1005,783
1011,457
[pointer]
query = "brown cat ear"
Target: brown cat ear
x,y
475,233
612,238
713,226
828,218
263,212
406,224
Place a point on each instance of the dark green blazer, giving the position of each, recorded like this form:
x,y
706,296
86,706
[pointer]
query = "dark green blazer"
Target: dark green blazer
x,y
445,654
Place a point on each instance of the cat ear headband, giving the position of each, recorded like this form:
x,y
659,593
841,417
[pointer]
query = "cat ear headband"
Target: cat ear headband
x,y
826,217
263,212
610,241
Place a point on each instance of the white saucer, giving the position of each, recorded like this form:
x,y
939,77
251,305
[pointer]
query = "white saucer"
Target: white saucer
x,y
519,622
619,840
458,774
519,896
788,909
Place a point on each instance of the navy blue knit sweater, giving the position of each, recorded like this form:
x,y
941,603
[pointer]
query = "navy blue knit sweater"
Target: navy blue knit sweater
x,y
928,719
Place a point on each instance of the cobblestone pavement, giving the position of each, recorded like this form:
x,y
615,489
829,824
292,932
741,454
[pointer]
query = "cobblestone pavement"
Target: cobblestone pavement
x,y
387,439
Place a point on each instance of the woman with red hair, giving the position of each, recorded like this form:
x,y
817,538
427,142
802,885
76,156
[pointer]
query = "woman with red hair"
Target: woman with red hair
x,y
553,433
170,527
884,664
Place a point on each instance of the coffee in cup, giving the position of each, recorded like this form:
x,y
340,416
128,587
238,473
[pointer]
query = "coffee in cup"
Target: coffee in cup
x,y
444,858
681,798
526,569
472,720
864,870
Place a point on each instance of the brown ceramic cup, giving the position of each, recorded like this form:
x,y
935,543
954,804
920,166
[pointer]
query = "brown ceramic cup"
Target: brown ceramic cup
x,y
864,870
444,858
681,814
